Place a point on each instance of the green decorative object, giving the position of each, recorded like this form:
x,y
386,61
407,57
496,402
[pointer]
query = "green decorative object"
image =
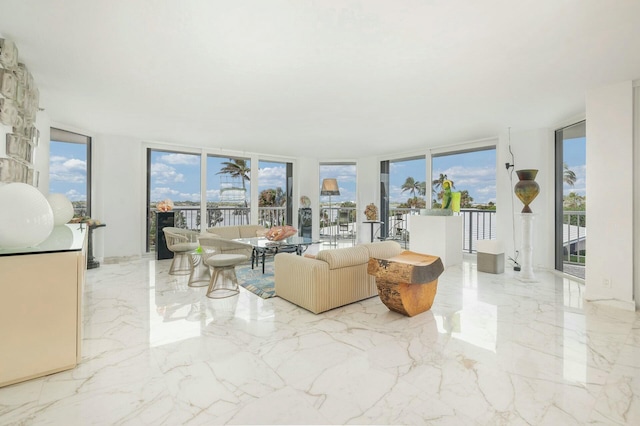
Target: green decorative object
x,y
527,188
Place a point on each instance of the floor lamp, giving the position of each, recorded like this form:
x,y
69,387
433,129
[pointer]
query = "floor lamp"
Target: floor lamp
x,y
330,187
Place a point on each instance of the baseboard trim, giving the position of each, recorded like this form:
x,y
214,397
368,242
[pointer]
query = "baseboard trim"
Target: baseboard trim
x,y
120,259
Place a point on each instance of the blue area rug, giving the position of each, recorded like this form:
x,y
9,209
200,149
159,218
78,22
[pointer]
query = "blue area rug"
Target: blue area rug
x,y
255,281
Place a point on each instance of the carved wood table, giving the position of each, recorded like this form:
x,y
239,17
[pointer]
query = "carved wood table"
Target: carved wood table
x,y
407,283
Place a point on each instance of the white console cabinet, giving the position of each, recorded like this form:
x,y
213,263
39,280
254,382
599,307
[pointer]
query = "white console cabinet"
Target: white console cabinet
x,y
40,306
438,236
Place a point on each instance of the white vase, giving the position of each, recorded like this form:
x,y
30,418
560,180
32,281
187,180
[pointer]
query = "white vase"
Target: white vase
x,y
61,207
26,218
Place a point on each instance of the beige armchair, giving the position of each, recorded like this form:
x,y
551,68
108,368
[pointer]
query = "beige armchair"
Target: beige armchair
x,y
215,244
182,242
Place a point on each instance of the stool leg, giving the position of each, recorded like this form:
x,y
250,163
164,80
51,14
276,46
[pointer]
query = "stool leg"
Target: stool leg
x,y
224,283
181,264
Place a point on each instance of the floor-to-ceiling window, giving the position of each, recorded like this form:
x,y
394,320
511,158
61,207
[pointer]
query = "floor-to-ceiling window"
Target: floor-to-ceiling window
x,y
274,193
228,191
403,192
173,178
338,211
472,173
70,169
571,199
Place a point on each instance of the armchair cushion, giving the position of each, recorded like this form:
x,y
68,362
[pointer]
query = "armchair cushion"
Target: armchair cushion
x,y
345,257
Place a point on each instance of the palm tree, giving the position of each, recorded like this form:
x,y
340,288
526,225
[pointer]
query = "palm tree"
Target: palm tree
x,y
236,168
568,176
411,185
437,183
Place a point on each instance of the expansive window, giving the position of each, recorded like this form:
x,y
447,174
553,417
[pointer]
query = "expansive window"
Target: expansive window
x,y
275,185
70,169
571,199
338,211
403,190
473,174
228,191
173,178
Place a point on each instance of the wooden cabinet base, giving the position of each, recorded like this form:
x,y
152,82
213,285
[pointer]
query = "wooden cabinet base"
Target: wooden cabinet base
x,y
407,299
407,283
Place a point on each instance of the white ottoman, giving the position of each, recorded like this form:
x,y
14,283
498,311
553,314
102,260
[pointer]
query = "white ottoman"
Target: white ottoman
x,y
490,256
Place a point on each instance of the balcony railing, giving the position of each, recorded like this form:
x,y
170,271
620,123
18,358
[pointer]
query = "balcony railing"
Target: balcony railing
x,y
189,216
574,237
336,221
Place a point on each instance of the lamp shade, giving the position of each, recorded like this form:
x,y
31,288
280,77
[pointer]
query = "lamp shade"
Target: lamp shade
x,y
330,187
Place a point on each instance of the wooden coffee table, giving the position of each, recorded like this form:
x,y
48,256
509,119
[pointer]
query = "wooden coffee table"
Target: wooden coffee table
x,y
407,283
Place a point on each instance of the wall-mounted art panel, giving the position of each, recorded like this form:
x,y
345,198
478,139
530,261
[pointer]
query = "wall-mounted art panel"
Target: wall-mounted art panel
x,y
19,148
8,84
8,53
19,104
9,113
13,171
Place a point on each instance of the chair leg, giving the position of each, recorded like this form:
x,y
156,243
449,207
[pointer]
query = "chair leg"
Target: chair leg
x,y
200,274
181,264
224,283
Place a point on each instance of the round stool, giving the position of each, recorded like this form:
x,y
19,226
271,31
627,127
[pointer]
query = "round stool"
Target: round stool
x,y
224,282
200,275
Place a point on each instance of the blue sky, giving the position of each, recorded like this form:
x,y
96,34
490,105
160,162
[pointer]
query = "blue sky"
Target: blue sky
x,y
472,171
177,176
68,170
574,153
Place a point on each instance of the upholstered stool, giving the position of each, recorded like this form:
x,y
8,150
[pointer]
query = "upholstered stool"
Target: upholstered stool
x,y
200,275
490,256
224,282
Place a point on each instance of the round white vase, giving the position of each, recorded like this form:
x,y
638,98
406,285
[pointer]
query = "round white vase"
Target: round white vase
x,y
61,207
26,218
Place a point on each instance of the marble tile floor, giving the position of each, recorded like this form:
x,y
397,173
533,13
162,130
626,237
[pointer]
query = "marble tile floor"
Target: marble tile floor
x,y
491,351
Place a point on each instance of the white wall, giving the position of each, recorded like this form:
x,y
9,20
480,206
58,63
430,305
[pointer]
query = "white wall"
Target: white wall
x,y
610,193
118,196
531,150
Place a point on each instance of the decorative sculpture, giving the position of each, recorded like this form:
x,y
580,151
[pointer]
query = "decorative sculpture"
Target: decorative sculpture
x,y
527,188
278,233
371,212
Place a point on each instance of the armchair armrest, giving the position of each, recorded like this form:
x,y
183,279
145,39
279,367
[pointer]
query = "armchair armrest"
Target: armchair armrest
x,y
303,281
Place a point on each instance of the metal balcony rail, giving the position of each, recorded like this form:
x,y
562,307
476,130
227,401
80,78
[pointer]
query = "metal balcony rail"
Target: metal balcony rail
x,y
337,221
574,237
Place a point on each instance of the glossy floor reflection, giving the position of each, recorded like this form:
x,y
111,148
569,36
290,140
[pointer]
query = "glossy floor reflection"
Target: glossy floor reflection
x,y
492,350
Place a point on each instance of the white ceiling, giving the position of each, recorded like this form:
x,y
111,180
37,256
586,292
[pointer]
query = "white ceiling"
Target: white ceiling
x,y
329,79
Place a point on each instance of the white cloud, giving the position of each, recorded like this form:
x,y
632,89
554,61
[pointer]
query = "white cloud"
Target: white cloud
x,y
161,193
74,195
164,174
272,177
184,159
185,196
70,170
213,195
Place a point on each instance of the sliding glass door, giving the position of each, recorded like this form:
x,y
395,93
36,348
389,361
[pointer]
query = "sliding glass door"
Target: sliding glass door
x,y
571,199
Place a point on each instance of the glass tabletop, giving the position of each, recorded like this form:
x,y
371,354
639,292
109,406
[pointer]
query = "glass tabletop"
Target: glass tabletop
x,y
262,242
